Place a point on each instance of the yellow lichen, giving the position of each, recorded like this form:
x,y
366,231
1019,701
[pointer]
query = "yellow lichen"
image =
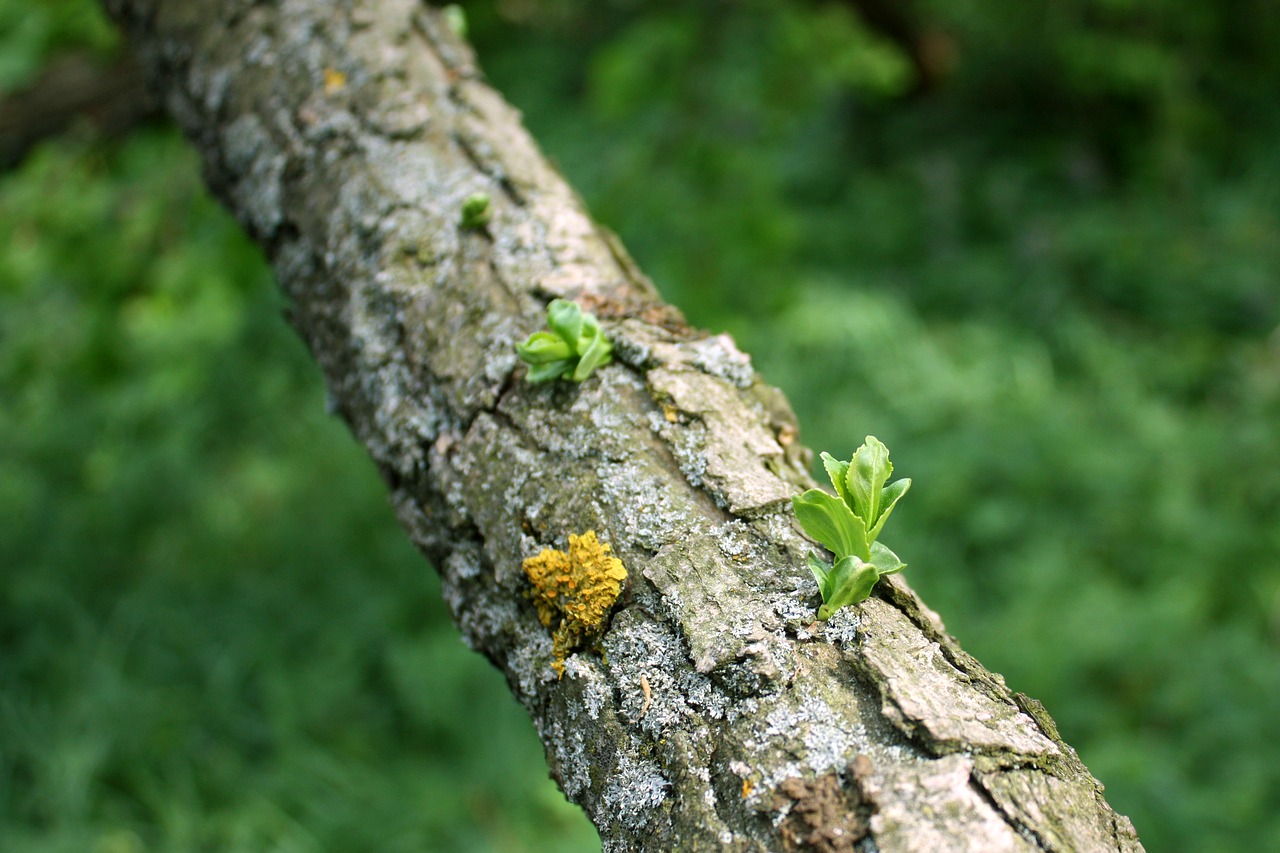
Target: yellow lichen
x,y
573,592
334,81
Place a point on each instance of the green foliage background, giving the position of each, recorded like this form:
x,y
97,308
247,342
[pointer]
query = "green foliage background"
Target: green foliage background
x,y
1049,285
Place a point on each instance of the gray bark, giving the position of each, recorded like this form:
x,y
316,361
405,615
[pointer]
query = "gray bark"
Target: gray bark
x,y
715,714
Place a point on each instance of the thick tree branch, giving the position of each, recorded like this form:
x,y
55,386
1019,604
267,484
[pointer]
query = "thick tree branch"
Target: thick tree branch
x,y
113,99
715,715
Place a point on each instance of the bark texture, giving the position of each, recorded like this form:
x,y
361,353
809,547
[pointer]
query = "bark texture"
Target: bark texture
x,y
714,713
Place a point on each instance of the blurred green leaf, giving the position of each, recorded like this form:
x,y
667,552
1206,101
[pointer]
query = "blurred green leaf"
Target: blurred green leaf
x,y
565,319
543,347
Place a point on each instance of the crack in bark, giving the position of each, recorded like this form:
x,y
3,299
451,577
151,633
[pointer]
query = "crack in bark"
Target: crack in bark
x,y
1014,823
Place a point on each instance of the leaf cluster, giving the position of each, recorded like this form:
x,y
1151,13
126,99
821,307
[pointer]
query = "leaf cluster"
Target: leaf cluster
x,y
572,349
848,524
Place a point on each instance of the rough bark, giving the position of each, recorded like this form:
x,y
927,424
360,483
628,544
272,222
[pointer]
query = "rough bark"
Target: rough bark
x,y
715,714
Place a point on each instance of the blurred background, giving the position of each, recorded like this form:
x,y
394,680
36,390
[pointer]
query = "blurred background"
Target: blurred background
x,y
1034,247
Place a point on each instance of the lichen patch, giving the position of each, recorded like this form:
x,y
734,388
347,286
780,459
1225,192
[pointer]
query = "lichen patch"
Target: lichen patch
x,y
574,591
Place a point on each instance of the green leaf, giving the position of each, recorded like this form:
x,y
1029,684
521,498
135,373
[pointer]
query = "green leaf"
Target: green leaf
x,y
885,561
839,577
827,519
889,497
598,352
839,473
819,569
849,582
550,370
565,319
590,329
867,475
542,347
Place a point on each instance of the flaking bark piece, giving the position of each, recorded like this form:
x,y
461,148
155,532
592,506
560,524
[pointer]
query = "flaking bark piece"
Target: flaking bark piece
x,y
824,815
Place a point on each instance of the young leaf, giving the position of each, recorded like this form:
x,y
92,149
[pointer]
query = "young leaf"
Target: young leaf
x,y
839,473
839,576
827,519
565,319
889,497
885,561
849,581
547,372
819,570
541,348
598,352
867,475
573,348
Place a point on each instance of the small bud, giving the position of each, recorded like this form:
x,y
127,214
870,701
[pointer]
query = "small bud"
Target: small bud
x,y
476,212
455,19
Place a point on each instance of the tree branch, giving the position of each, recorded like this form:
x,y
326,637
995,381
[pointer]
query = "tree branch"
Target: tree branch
x,y
714,714
930,50
113,99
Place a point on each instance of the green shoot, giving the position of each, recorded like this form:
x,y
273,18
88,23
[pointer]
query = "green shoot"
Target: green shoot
x,y
848,524
572,349
476,211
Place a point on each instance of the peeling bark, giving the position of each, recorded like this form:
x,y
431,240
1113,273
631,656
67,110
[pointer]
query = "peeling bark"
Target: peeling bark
x,y
715,714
